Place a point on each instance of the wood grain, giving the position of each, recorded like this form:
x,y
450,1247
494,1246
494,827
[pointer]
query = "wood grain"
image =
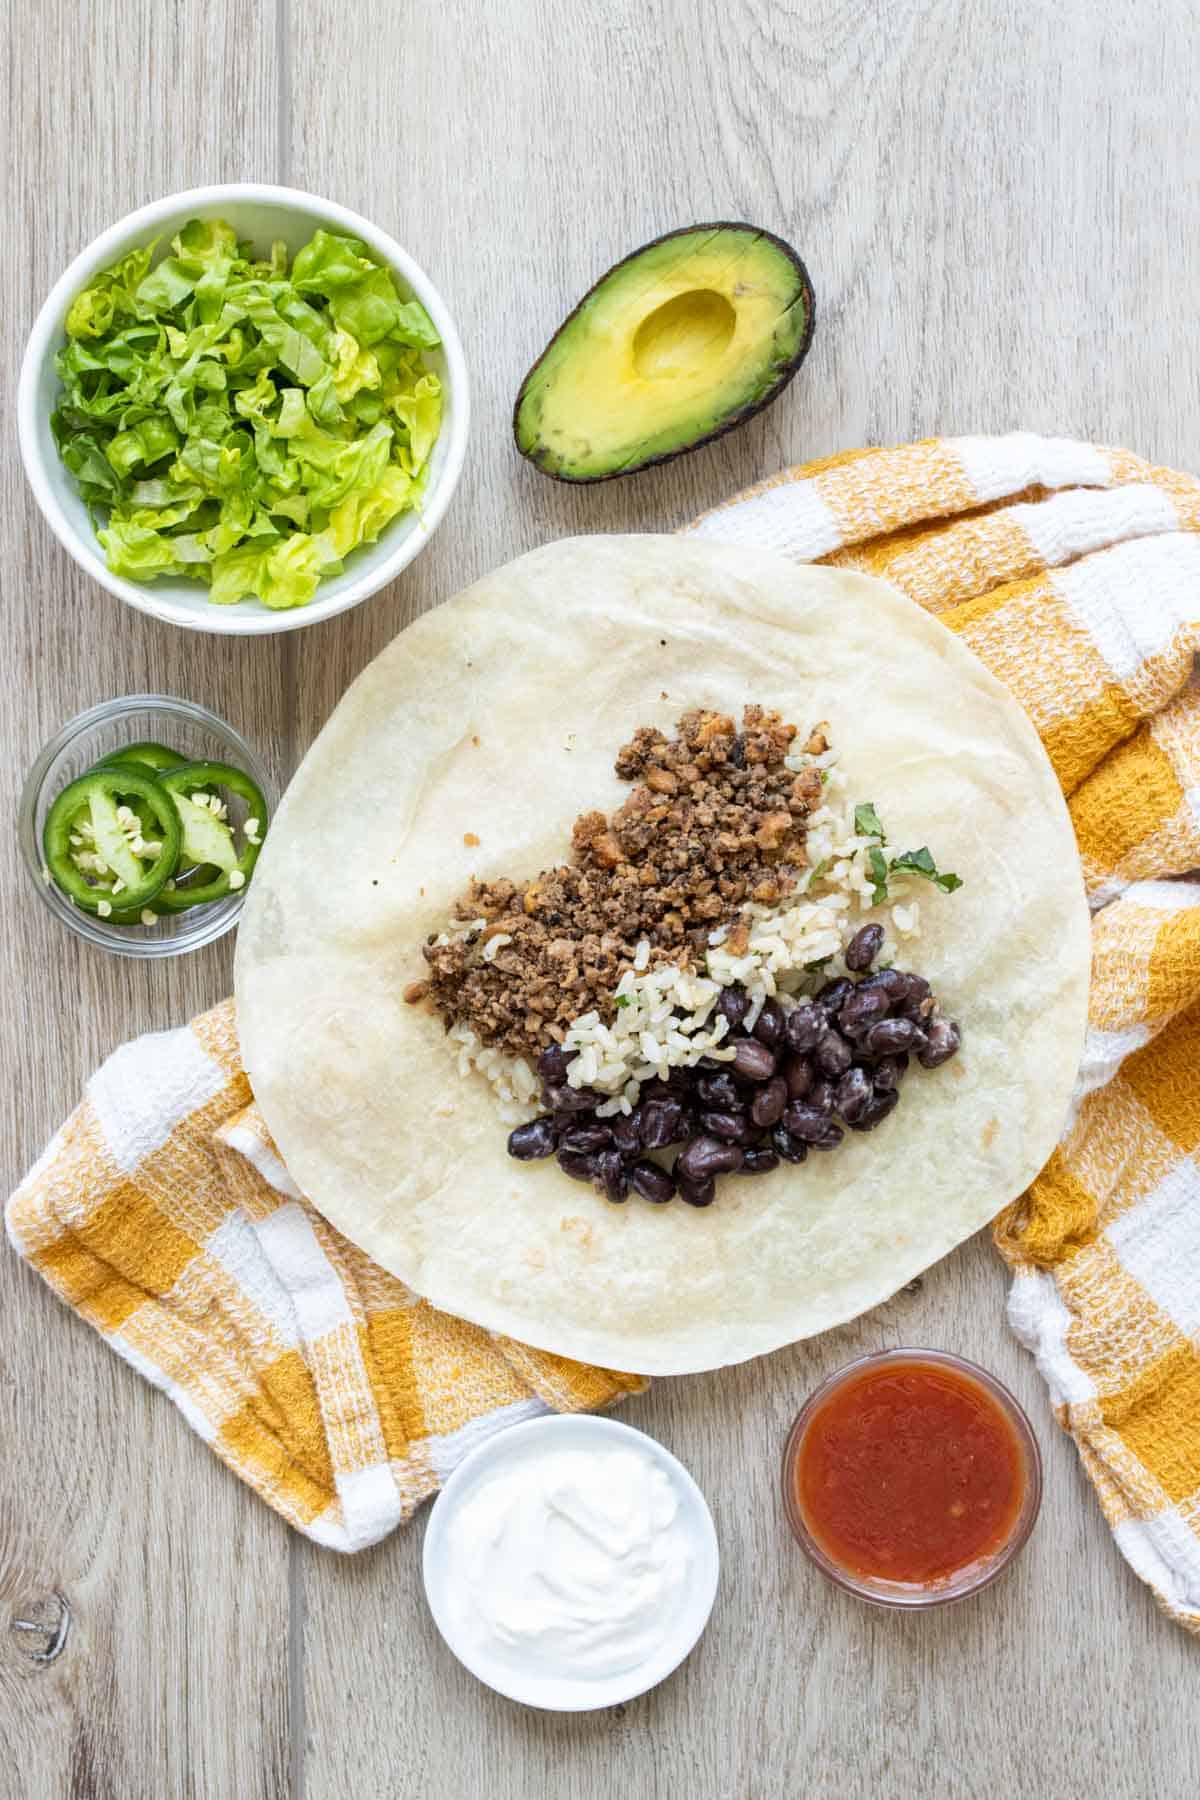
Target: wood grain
x,y
999,209
172,1679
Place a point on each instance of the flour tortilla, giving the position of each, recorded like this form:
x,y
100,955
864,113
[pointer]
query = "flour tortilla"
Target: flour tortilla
x,y
498,717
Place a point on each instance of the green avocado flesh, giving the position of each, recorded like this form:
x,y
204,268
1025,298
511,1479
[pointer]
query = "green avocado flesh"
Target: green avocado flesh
x,y
681,341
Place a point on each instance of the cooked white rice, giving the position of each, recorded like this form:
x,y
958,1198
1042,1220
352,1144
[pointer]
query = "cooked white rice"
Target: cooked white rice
x,y
664,1019
665,1015
514,1082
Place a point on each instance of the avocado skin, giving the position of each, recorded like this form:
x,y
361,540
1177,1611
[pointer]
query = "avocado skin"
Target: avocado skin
x,y
734,419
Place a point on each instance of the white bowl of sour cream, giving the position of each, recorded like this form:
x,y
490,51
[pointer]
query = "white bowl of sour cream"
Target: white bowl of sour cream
x,y
570,1562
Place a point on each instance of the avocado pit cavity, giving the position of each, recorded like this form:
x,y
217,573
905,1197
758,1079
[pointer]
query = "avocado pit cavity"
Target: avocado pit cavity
x,y
683,335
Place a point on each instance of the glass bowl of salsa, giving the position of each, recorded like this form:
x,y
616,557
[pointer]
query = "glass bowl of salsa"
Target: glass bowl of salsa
x,y
911,1478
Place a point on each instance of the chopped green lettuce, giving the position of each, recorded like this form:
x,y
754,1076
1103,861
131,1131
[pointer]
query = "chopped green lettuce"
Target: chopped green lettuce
x,y
233,423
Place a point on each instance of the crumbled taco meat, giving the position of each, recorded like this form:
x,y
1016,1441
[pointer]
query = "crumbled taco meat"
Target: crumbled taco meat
x,y
714,820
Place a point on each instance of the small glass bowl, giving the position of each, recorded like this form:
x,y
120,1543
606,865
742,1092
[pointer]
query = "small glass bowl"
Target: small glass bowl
x,y
974,1576
179,724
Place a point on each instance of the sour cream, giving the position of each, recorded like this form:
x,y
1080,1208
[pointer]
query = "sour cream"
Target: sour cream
x,y
577,1557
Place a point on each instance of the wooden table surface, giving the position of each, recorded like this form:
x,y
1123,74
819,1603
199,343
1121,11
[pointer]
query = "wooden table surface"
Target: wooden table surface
x,y
1000,208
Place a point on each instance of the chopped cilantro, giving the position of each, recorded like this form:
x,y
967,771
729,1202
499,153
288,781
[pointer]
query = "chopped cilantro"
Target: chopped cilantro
x,y
867,822
816,873
920,862
814,968
624,999
916,862
911,862
879,874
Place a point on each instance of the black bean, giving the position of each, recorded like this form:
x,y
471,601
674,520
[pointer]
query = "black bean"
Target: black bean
x,y
944,1038
876,1110
733,1004
611,1176
889,1037
732,1127
889,1072
720,1091
580,1168
651,1182
706,1156
661,1123
864,947
759,1160
853,1094
626,1131
820,1095
892,982
769,1025
805,1122
698,1193
569,1099
804,1026
918,987
752,1060
862,1010
830,1138
767,1106
553,1063
832,1053
530,1141
793,1150
663,1090
797,1072
593,1134
833,996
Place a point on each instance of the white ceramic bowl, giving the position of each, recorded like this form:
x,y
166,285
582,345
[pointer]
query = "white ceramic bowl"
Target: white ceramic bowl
x,y
562,1690
261,214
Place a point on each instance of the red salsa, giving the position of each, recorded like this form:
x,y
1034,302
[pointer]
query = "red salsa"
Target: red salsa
x,y
909,1473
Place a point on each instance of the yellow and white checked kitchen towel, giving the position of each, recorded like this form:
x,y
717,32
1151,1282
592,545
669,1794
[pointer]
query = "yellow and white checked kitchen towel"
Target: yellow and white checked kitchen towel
x,y
162,1213
1074,572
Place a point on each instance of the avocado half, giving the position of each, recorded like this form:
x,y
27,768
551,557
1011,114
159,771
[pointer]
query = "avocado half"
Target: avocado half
x,y
683,340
